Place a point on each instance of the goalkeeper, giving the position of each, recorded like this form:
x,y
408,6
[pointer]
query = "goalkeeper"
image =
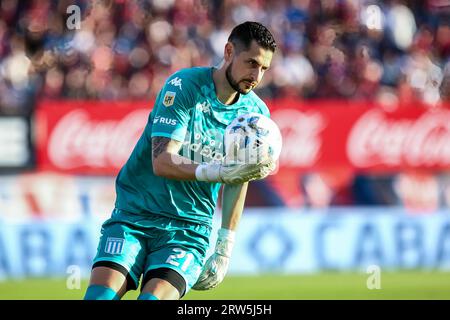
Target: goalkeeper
x,y
168,189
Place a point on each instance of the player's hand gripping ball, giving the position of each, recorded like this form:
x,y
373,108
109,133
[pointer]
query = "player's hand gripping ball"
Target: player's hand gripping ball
x,y
257,136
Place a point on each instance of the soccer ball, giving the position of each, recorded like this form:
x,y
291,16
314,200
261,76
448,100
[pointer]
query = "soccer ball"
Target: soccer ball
x,y
256,135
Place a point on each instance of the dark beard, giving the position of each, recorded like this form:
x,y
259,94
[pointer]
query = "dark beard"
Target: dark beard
x,y
233,83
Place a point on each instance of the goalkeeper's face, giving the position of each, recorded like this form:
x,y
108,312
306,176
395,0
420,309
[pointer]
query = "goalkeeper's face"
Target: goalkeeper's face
x,y
246,68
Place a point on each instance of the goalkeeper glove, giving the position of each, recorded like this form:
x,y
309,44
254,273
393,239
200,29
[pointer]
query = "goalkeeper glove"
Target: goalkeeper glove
x,y
233,172
216,266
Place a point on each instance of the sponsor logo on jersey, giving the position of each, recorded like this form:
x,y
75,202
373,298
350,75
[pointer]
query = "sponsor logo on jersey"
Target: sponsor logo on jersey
x,y
204,147
176,82
163,120
169,98
114,245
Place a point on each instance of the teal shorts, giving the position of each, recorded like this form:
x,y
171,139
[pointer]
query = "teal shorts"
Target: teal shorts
x,y
140,243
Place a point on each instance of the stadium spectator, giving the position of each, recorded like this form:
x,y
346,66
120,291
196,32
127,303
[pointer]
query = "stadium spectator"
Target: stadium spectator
x,y
123,50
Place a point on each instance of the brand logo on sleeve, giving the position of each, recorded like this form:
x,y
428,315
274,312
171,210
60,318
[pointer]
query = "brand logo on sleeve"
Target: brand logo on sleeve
x,y
169,98
176,82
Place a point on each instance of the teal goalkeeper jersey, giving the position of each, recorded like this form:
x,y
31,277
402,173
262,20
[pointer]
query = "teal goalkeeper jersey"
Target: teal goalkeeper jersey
x,y
187,110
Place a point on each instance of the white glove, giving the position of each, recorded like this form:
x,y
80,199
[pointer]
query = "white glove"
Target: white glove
x,y
216,266
231,171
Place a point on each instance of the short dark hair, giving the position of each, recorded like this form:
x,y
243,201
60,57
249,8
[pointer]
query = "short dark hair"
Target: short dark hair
x,y
243,34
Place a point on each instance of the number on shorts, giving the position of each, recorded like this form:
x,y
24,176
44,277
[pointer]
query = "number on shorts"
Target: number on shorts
x,y
178,255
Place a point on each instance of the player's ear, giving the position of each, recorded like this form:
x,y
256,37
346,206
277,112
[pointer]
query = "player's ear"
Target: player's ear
x,y
228,52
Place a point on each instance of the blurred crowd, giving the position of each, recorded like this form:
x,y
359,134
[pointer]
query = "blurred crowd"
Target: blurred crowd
x,y
387,51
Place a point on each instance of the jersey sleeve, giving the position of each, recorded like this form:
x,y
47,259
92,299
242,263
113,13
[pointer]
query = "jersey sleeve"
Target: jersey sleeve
x,y
266,112
171,110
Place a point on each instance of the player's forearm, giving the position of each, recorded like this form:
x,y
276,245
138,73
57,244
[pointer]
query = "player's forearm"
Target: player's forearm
x,y
217,265
174,166
168,163
233,204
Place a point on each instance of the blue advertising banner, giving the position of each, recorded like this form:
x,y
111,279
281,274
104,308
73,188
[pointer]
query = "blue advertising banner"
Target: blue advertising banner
x,y
342,239
280,241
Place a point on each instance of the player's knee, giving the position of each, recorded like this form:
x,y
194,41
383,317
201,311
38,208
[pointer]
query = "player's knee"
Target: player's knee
x,y
159,289
164,283
97,292
111,276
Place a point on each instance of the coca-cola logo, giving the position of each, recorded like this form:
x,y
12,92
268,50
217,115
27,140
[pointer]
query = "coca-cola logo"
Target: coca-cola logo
x,y
301,133
377,140
77,140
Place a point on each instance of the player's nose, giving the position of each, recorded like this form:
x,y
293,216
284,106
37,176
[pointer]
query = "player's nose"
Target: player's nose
x,y
253,79
256,75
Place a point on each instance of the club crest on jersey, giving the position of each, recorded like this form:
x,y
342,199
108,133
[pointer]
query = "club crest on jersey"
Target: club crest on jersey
x,y
204,107
114,245
169,98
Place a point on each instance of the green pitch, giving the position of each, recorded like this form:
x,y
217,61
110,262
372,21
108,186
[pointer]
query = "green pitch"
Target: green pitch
x,y
404,285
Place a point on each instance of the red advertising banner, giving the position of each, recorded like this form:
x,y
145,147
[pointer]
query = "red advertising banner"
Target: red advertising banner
x,y
88,137
324,134
97,137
